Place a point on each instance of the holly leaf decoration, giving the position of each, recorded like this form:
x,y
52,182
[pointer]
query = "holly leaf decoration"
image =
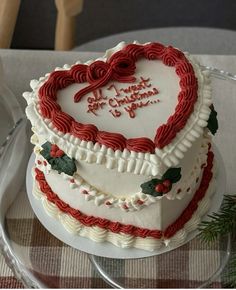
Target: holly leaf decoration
x,y
173,174
65,164
212,123
46,151
61,164
158,187
149,187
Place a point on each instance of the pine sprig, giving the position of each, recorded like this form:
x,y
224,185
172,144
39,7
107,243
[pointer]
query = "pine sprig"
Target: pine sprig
x,y
229,280
222,222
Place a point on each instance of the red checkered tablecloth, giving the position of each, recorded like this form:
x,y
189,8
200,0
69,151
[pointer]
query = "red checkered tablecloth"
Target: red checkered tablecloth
x,y
57,265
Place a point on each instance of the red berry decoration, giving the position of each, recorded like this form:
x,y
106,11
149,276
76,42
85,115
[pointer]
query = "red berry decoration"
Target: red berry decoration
x,y
54,147
59,153
140,202
159,187
53,154
166,189
167,183
56,151
58,160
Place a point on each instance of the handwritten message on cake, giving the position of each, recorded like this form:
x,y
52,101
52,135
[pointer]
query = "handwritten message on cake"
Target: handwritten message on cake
x,y
125,100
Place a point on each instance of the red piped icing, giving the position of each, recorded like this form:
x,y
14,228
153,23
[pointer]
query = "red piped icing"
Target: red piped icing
x,y
140,145
49,90
165,134
47,106
154,50
114,141
117,227
86,132
79,73
62,78
62,121
121,67
188,94
183,67
171,56
135,51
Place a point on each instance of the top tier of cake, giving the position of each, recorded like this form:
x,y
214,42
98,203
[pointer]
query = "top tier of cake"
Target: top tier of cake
x,y
138,109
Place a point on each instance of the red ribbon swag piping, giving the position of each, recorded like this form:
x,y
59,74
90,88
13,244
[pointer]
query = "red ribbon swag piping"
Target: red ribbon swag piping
x,y
117,227
120,67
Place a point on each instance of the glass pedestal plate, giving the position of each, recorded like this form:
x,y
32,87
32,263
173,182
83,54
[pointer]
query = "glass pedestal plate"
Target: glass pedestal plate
x,y
40,260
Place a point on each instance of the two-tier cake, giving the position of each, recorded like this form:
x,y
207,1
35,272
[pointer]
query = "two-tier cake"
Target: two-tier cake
x,y
123,145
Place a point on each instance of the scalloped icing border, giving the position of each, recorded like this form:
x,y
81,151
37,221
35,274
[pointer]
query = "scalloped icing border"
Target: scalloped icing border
x,y
126,161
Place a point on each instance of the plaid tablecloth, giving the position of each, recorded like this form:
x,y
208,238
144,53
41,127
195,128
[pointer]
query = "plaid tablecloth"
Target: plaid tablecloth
x,y
56,264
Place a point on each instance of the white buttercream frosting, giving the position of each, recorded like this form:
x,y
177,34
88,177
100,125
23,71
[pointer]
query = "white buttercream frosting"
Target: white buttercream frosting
x,y
124,240
186,185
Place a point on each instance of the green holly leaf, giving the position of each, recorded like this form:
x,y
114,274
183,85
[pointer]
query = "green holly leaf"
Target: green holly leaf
x,y
173,174
65,164
61,164
149,187
46,151
212,124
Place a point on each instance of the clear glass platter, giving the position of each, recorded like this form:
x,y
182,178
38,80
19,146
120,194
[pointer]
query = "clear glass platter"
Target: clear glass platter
x,y
39,260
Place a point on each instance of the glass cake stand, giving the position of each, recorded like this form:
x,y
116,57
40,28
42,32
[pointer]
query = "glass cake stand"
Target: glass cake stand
x,y
39,260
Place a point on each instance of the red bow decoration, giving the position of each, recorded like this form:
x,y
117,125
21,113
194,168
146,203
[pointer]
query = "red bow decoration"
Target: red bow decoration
x,y
120,67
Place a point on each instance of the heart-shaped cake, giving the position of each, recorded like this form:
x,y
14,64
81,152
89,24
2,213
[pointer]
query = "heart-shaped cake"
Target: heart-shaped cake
x,y
123,145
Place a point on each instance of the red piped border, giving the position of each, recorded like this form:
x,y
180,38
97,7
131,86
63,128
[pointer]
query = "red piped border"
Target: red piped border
x,y
120,67
117,227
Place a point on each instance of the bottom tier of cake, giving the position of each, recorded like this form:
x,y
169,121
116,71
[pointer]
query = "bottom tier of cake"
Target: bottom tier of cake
x,y
126,235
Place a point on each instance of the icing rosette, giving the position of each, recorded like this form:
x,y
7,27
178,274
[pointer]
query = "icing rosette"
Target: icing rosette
x,y
123,67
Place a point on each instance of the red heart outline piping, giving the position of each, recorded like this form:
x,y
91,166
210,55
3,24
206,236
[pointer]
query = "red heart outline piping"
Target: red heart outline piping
x,y
120,67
